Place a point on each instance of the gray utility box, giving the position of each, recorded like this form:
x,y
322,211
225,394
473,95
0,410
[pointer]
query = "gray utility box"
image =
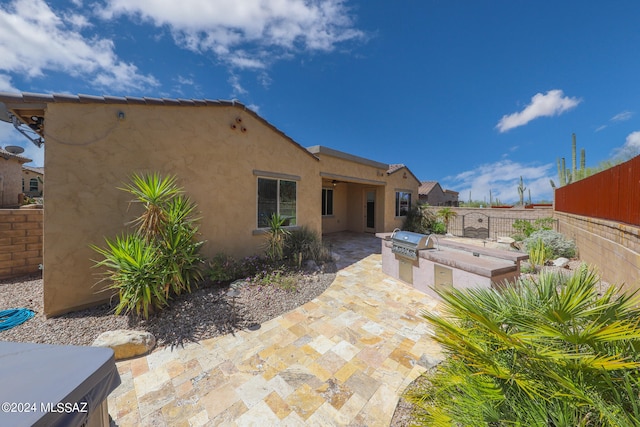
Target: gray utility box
x,y
55,385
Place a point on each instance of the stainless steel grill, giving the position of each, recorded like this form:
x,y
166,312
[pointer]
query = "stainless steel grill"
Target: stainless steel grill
x,y
407,244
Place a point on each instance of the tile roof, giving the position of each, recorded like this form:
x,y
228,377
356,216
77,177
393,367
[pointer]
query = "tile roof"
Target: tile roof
x,y
427,186
7,155
35,169
395,167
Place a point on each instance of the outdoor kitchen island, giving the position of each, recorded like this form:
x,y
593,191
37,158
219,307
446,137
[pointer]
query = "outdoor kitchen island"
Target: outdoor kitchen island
x,y
428,261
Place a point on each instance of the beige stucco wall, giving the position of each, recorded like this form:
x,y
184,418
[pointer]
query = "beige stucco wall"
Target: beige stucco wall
x,y
27,175
400,180
355,178
89,152
612,247
10,182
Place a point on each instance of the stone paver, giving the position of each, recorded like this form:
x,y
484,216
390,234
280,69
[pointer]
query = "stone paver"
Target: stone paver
x,y
342,359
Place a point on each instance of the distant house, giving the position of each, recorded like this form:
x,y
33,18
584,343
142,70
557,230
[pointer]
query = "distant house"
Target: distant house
x,y
236,166
432,193
10,178
32,181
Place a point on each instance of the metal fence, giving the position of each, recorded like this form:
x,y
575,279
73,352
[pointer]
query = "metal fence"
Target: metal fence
x,y
482,226
613,194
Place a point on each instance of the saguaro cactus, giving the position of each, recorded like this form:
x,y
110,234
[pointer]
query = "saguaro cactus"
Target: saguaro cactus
x,y
521,189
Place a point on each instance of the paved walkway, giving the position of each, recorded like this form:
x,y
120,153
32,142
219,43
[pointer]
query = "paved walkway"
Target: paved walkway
x,y
342,359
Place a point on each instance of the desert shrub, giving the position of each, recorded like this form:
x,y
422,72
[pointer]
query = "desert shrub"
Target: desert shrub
x,y
304,244
420,219
160,258
556,243
524,228
223,268
439,227
549,351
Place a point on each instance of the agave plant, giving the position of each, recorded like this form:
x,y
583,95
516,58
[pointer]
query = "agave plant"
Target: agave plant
x,y
276,236
547,352
161,258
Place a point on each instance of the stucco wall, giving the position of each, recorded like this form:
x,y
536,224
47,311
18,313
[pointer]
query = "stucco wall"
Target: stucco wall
x,y
20,242
27,175
10,182
613,247
89,152
400,180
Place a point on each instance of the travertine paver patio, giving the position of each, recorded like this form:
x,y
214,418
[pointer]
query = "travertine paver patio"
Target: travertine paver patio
x,y
342,359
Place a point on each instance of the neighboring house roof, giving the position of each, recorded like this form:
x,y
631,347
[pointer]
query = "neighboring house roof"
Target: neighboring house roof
x,y
427,186
34,169
451,191
7,155
393,168
27,105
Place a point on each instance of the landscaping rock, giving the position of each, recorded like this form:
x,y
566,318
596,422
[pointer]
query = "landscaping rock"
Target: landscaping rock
x,y
125,343
504,239
310,265
561,262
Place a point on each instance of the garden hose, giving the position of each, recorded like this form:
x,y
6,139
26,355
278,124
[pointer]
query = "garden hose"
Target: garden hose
x,y
14,317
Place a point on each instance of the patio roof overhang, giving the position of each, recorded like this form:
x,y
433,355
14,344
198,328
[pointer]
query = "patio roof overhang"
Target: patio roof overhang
x,y
350,179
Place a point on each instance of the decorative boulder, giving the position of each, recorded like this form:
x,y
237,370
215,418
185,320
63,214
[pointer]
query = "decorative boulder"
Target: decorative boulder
x,y
125,343
561,262
504,239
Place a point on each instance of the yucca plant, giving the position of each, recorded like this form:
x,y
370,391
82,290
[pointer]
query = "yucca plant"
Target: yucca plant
x,y
276,235
161,257
549,351
135,270
155,193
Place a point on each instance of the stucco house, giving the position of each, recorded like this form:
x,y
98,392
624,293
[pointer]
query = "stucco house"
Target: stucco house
x,y
432,193
235,165
32,181
10,178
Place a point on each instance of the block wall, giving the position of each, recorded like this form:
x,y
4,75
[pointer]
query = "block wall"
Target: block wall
x,y
20,242
613,247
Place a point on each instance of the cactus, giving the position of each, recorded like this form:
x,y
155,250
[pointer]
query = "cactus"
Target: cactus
x,y
521,189
573,158
566,175
530,197
490,198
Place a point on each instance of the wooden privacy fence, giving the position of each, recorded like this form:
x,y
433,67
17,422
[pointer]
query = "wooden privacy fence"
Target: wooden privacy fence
x,y
613,194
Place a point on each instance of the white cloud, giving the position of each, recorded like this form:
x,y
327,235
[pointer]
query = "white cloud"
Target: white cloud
x,y
34,39
621,117
502,178
249,33
5,84
553,103
631,147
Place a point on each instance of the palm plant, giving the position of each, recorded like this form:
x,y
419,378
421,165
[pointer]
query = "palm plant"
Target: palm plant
x,y
546,352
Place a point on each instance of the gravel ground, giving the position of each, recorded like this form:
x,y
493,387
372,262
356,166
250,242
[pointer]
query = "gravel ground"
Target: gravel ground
x,y
205,313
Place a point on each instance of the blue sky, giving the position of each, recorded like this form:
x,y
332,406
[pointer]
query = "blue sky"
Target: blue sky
x,y
473,94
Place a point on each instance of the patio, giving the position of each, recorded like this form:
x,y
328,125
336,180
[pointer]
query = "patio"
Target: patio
x,y
342,359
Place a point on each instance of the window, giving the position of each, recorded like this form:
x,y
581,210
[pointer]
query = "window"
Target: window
x,y
276,196
327,201
23,185
403,203
33,184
